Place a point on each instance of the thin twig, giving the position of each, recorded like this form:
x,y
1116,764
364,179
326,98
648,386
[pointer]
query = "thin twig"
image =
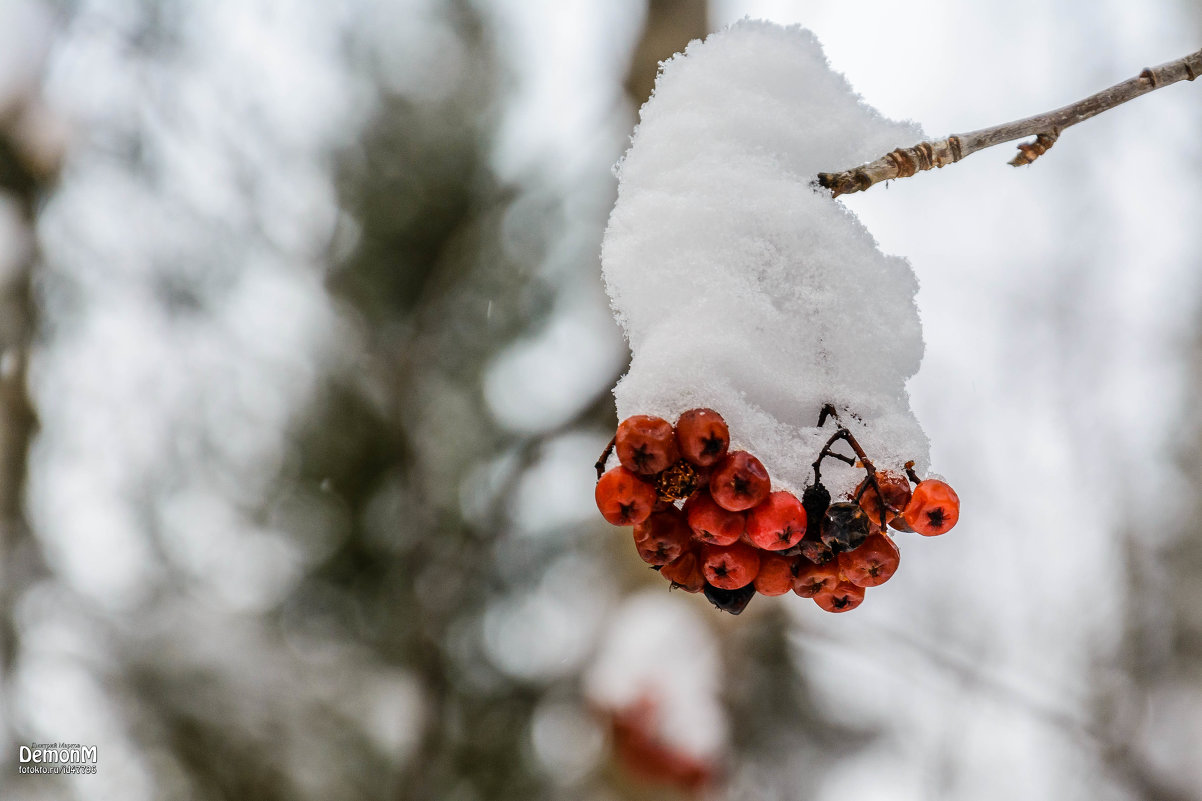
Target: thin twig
x,y
605,457
1046,128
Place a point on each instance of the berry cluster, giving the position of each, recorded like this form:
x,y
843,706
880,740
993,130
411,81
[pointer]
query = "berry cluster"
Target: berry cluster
x,y
733,536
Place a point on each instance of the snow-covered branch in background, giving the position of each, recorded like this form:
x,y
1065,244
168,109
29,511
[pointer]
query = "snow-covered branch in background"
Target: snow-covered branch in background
x,y
1046,128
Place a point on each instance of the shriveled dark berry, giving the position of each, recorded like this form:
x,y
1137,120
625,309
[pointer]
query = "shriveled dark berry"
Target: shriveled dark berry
x,y
815,551
733,601
845,527
815,499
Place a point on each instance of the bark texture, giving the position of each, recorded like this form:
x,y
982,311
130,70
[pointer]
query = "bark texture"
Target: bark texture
x,y
1046,128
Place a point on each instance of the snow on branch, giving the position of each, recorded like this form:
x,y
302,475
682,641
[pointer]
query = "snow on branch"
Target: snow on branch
x,y
1046,128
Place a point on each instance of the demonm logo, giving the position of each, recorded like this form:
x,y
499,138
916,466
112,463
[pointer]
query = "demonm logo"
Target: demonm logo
x,y
56,758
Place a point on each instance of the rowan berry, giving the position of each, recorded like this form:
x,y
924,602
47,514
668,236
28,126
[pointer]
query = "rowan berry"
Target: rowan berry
x,y
662,537
873,563
623,498
812,579
933,509
729,567
739,482
646,445
710,522
777,523
702,436
685,572
895,487
776,574
845,527
843,597
733,601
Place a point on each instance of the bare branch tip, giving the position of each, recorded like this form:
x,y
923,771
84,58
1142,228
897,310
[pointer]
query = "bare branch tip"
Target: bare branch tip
x,y
1029,151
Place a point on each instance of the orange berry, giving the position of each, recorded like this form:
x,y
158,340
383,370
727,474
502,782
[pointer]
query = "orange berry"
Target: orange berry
x,y
778,523
812,579
844,597
933,509
710,522
896,489
646,445
662,537
623,498
739,482
873,563
776,574
702,436
730,567
685,572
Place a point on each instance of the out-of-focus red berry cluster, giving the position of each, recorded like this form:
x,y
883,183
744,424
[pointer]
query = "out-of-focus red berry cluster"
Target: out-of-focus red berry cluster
x,y
708,520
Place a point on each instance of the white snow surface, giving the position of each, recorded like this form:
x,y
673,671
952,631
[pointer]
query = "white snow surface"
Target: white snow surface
x,y
742,288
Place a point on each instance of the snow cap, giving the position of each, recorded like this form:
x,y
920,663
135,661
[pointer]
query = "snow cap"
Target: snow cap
x,y
739,285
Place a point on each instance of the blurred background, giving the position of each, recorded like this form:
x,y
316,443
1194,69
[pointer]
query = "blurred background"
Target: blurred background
x,y
305,362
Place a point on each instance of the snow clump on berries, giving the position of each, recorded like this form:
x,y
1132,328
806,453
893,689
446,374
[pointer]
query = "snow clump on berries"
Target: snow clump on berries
x,y
740,286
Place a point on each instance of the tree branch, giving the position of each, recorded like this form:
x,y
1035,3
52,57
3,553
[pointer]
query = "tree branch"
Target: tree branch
x,y
1046,128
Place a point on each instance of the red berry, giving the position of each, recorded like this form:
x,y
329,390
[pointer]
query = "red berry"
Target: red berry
x,y
623,498
685,572
896,489
933,509
844,597
779,522
812,579
776,574
662,537
873,563
730,567
703,436
646,445
710,522
739,482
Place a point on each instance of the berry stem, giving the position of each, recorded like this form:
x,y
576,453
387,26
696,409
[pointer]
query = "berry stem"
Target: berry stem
x,y
605,457
828,411
843,434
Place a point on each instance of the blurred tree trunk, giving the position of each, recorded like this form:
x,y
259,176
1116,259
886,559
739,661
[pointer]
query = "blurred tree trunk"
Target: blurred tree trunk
x,y
670,26
24,181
